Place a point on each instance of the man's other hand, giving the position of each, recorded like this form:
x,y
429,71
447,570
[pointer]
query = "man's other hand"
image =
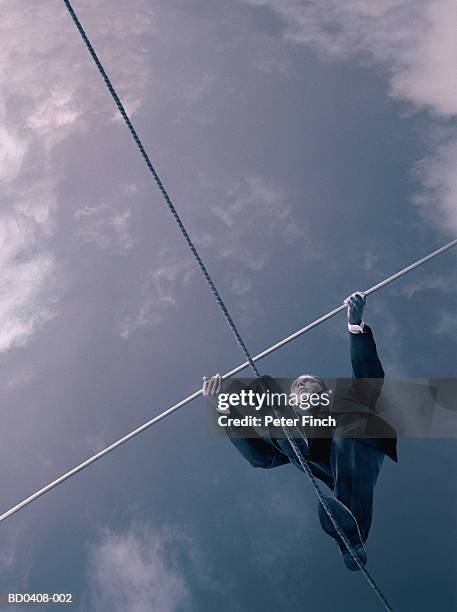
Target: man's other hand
x,y
212,387
355,303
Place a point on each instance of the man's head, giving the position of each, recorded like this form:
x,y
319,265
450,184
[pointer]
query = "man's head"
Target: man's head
x,y
307,384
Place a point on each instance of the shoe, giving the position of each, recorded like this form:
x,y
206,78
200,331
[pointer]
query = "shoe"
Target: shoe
x,y
348,523
348,559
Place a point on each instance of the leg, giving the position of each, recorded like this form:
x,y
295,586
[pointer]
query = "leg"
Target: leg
x,y
355,465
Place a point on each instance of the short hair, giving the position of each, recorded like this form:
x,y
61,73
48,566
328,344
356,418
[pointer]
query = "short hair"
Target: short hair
x,y
299,383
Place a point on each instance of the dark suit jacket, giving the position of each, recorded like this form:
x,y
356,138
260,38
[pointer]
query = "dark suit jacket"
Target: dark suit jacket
x,y
354,407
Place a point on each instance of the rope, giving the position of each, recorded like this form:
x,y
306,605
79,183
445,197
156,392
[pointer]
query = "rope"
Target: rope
x,y
296,450
162,189
305,466
190,398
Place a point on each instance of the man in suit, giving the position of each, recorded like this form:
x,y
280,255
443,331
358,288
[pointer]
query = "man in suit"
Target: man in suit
x,y
348,461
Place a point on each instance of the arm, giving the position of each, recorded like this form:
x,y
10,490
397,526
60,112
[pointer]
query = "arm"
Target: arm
x,y
364,356
260,452
367,371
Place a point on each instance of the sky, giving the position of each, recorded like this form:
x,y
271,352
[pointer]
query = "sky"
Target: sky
x,y
310,149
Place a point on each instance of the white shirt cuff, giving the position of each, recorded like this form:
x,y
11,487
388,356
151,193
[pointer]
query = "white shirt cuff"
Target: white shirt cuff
x,y
356,329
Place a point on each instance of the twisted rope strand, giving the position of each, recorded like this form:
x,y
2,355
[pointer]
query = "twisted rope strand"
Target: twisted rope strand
x,y
305,466
175,407
162,189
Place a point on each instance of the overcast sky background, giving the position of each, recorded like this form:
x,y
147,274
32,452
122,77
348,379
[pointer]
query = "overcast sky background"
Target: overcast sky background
x,y
311,149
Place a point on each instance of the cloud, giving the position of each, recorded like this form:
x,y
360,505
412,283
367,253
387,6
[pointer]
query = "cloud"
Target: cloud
x,y
437,172
105,226
441,283
194,89
12,152
35,201
253,207
370,259
50,91
138,570
415,41
25,303
446,324
424,72
29,272
158,292
47,67
50,86
243,224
